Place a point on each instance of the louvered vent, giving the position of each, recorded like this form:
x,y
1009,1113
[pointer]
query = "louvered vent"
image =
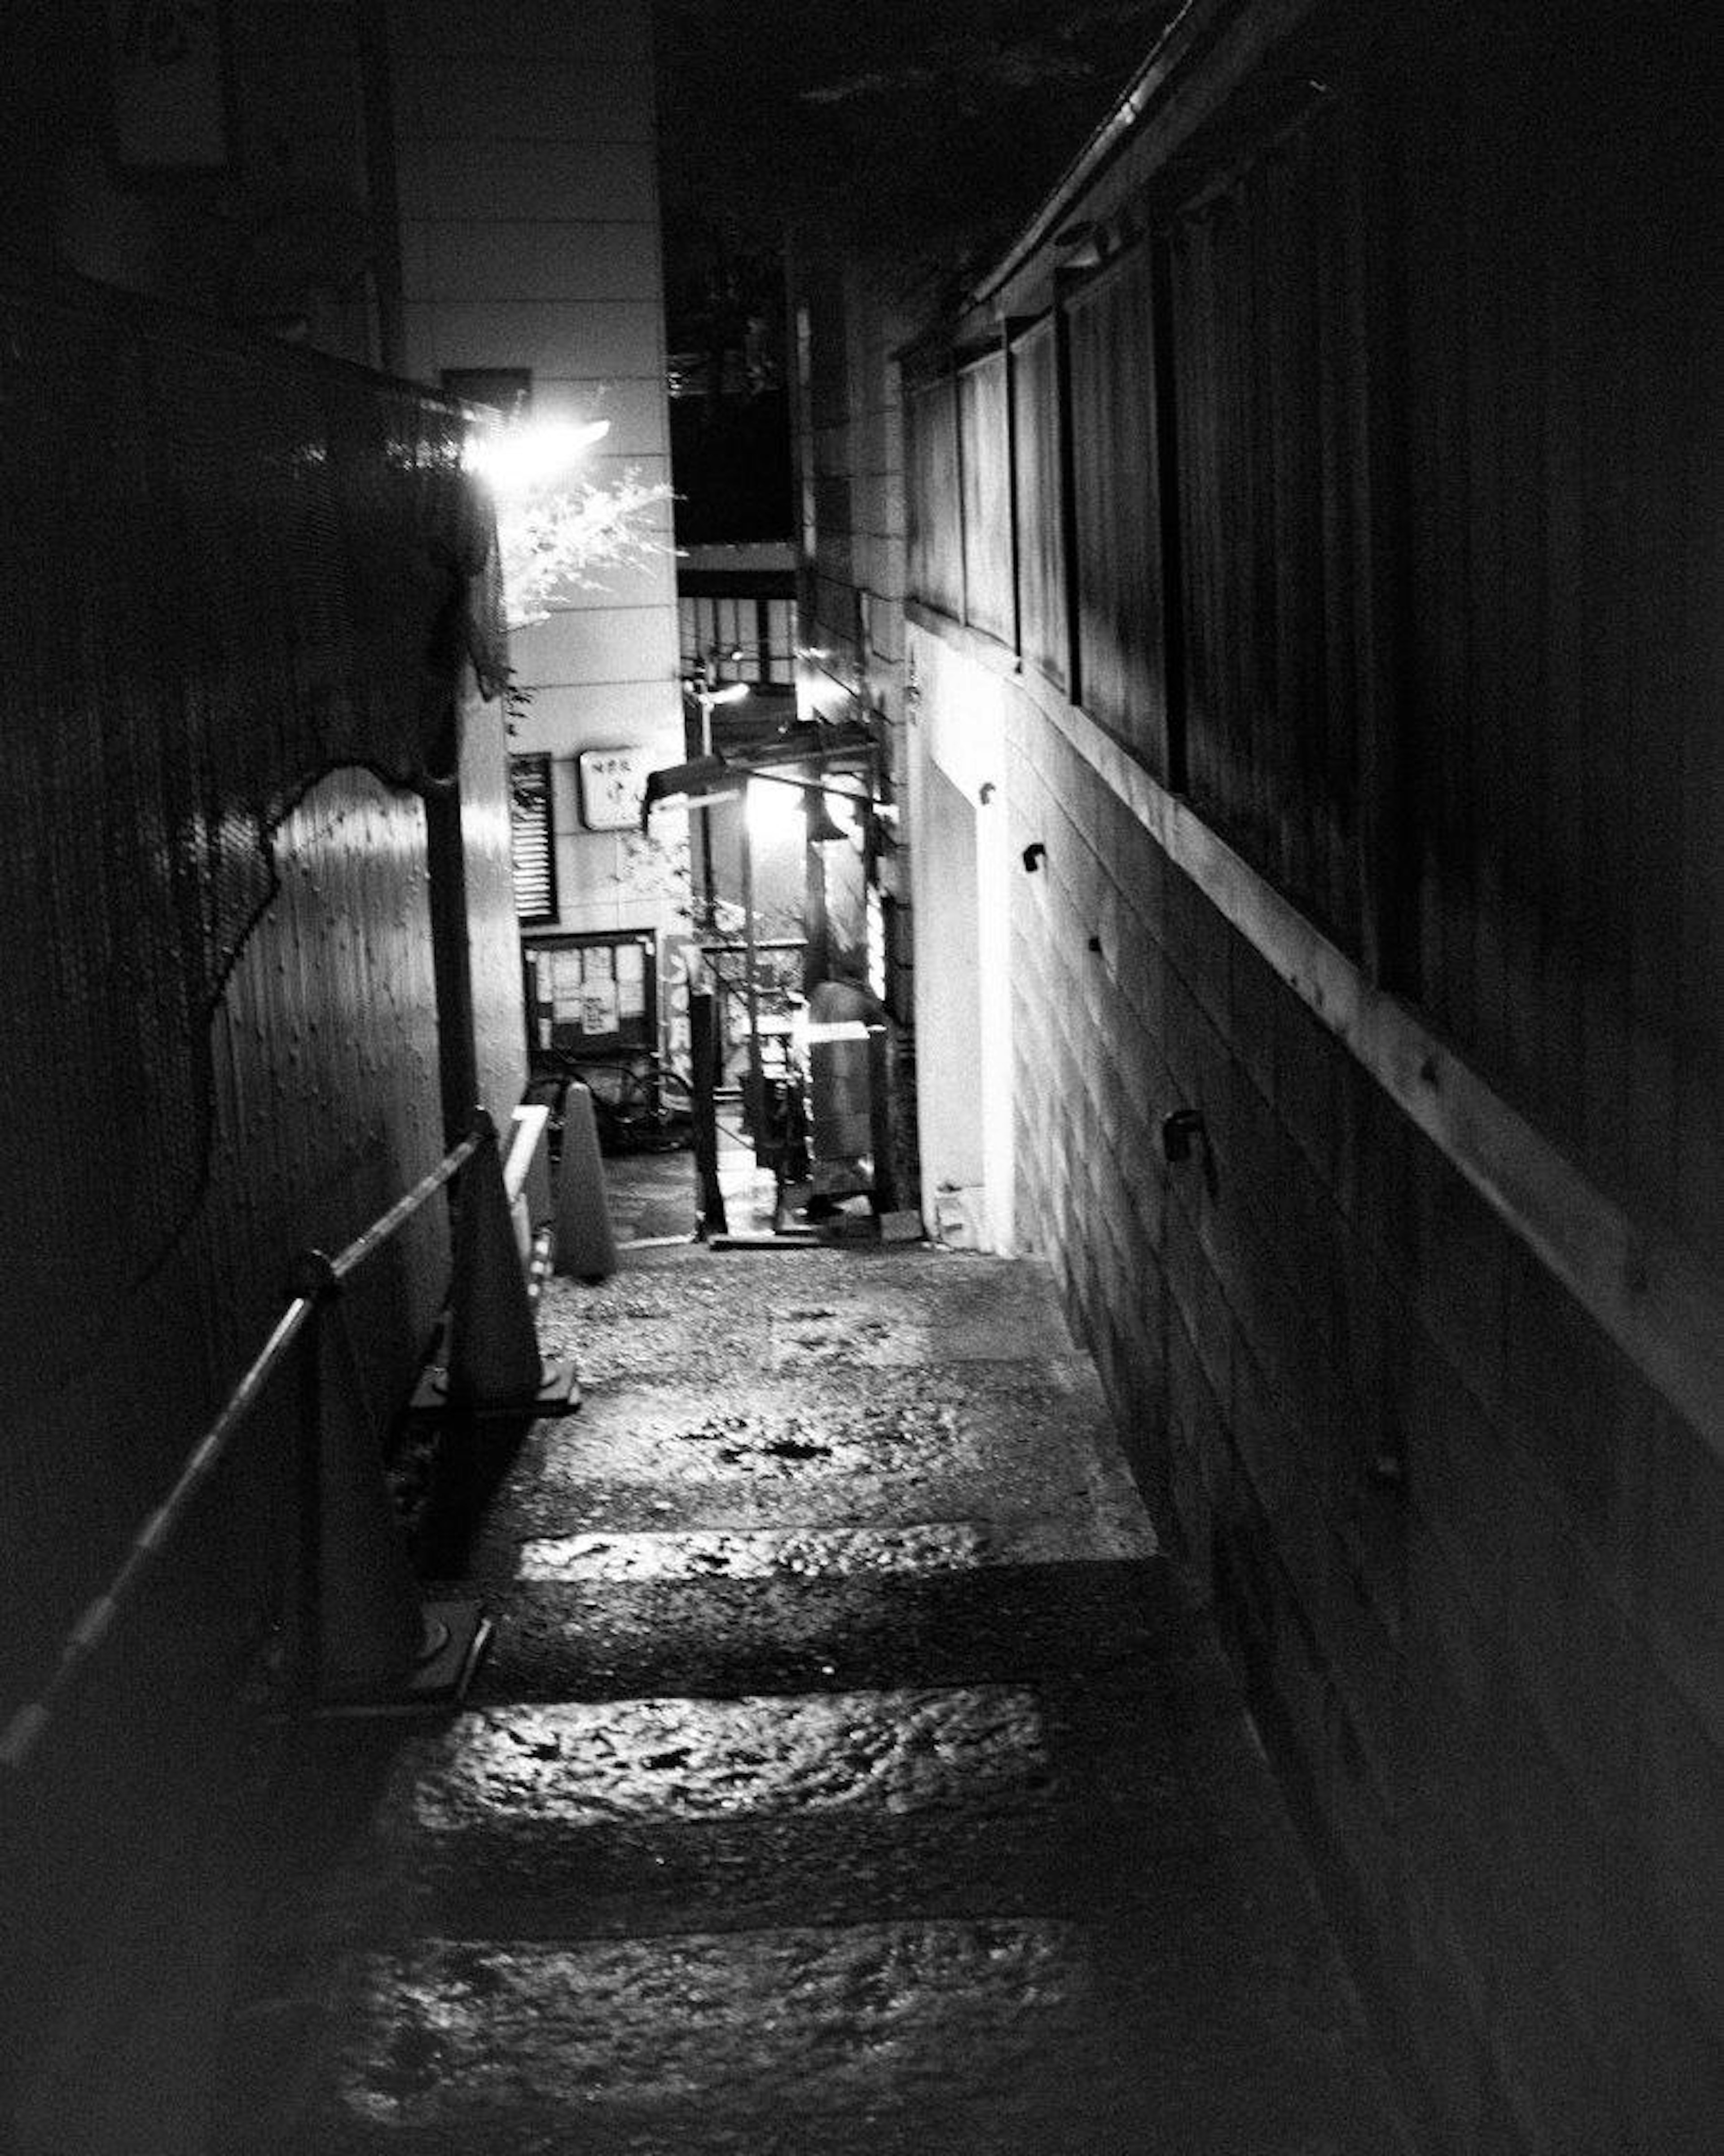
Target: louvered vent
x,y
534,853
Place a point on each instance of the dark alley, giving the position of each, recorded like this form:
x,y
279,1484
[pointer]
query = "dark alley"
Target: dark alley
x,y
850,1775
861,1100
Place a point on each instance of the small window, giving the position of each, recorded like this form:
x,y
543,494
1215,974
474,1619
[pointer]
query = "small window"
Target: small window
x,y
533,843
507,391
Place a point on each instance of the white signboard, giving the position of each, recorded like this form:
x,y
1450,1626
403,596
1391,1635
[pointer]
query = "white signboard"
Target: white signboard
x,y
613,785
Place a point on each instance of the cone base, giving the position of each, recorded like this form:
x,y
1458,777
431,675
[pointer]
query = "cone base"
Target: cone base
x,y
778,1239
458,1633
558,1394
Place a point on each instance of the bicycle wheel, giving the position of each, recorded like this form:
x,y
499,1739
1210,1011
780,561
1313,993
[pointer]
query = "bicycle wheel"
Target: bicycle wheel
x,y
657,1110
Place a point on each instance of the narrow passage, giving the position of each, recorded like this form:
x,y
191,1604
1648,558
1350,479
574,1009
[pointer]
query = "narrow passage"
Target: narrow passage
x,y
850,1776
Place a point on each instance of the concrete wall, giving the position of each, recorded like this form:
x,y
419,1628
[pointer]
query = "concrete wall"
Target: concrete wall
x,y
1463,1548
525,152
1348,847
850,462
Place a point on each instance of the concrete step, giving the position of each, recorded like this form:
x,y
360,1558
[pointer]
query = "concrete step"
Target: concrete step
x,y
587,1819
1013,2034
572,1640
1000,1442
849,1776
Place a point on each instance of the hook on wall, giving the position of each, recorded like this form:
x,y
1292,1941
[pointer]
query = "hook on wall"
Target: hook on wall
x,y
1034,853
1180,1130
986,790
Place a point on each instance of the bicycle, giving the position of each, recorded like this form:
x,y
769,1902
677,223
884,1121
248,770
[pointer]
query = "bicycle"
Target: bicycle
x,y
640,1103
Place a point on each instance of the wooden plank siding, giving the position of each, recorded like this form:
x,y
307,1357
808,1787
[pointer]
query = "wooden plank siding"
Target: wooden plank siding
x,y
1410,571
1442,652
1115,480
1265,338
1563,665
985,466
1043,626
936,539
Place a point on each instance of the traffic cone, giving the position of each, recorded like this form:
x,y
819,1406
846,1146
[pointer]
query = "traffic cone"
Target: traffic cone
x,y
494,1367
373,1647
368,1618
586,1244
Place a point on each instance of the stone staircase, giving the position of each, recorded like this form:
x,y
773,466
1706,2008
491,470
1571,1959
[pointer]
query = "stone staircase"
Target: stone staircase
x,y
850,1775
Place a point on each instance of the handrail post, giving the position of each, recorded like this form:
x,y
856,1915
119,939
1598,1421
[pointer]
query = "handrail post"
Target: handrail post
x,y
315,1278
884,1177
705,1054
322,1277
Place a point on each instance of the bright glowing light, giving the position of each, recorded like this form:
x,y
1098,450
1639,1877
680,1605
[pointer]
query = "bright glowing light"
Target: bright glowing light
x,y
517,455
732,693
774,813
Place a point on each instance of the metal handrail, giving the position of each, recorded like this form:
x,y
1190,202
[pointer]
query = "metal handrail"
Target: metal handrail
x,y
323,1276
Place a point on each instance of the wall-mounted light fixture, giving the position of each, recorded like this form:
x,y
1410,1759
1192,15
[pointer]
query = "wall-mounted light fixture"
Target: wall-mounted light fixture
x,y
704,780
1082,245
516,455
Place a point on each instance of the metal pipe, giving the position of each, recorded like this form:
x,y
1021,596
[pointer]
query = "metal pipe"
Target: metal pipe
x,y
402,1210
24,1732
751,991
26,1725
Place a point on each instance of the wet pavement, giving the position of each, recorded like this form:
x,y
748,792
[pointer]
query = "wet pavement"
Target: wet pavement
x,y
850,1775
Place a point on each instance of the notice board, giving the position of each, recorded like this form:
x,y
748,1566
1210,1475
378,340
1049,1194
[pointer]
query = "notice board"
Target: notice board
x,y
591,991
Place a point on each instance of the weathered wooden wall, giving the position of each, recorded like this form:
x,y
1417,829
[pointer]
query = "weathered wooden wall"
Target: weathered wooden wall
x,y
935,504
984,497
1563,351
1268,293
1377,760
1042,623
1116,493
241,591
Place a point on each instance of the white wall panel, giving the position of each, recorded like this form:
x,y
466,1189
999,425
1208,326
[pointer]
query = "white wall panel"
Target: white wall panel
x,y
550,337
543,258
508,179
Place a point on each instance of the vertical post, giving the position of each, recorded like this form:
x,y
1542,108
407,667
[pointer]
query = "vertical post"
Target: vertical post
x,y
700,743
750,988
308,1583
378,105
1169,512
451,943
1010,369
885,1177
1071,589
704,1056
